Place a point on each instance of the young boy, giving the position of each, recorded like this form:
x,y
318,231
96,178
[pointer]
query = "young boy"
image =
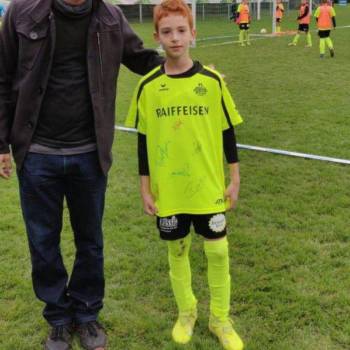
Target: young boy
x,y
279,15
243,21
184,115
304,21
325,17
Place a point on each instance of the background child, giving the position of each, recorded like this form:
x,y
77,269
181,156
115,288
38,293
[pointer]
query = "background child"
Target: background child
x,y
304,21
279,15
243,21
325,17
233,10
185,116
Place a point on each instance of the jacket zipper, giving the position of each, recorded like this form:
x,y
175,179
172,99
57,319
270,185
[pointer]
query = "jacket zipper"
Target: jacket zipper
x,y
100,59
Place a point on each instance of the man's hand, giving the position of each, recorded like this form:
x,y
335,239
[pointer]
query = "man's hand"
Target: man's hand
x,y
148,204
231,195
5,165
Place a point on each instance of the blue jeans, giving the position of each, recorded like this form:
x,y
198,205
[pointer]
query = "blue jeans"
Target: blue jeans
x,y
44,182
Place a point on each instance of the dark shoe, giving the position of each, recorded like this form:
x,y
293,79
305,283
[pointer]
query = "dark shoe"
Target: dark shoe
x,y
60,338
92,336
331,51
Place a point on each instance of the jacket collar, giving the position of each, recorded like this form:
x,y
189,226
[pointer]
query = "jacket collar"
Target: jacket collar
x,y
41,9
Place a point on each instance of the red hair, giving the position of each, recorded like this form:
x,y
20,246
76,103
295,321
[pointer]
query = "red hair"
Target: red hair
x,y
167,7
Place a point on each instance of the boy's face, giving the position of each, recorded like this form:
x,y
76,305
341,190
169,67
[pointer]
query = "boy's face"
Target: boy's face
x,y
175,35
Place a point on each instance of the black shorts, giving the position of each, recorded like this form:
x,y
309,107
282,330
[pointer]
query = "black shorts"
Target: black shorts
x,y
210,226
278,20
324,33
303,28
244,26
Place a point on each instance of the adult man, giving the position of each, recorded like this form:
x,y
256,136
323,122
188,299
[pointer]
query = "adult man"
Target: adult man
x,y
59,62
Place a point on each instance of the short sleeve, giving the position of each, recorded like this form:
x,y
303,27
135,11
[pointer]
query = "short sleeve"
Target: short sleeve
x,y
317,12
230,114
136,117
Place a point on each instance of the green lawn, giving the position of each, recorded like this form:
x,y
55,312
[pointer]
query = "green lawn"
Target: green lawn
x,y
289,237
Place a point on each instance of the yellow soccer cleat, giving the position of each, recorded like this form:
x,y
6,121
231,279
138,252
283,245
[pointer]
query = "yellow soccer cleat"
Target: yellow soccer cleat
x,y
228,337
183,329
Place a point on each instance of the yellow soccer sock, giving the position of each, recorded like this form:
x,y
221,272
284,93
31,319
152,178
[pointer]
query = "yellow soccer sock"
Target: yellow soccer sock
x,y
246,36
308,39
296,39
329,43
218,277
241,37
180,273
322,46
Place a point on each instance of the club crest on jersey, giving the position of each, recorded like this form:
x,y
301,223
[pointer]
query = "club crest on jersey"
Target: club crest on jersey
x,y
168,224
217,223
200,90
163,87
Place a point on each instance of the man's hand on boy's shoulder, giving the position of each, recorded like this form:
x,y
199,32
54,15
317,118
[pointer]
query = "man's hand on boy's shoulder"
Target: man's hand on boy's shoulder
x,y
211,66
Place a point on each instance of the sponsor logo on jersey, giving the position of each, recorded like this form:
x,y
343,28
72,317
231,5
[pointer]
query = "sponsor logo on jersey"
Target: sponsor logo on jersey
x,y
217,223
200,90
175,111
167,225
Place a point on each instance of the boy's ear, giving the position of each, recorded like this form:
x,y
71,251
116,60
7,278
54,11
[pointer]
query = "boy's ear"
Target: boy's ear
x,y
194,33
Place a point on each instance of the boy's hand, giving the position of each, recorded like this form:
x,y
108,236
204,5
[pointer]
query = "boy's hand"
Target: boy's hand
x,y
148,204
5,165
231,195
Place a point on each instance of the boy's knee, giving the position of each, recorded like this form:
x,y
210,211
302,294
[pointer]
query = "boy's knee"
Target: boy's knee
x,y
216,249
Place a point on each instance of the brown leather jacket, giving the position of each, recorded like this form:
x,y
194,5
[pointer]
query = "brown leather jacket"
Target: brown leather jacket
x,y
27,41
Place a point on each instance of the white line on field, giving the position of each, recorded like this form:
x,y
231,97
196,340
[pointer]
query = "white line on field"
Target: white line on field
x,y
270,150
266,36
259,36
225,37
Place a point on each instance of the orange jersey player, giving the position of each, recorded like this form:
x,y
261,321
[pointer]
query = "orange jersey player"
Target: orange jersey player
x,y
304,21
243,21
279,15
325,17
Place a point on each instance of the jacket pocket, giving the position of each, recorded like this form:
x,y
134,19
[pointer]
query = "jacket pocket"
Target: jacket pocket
x,y
30,44
109,28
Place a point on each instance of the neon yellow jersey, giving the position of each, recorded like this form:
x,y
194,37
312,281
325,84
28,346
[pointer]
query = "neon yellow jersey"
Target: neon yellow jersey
x,y
183,118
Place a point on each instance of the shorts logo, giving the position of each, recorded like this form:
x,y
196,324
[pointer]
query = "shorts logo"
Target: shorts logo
x,y
200,90
168,225
217,223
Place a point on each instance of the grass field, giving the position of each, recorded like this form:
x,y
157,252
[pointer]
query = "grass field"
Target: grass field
x,y
289,237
